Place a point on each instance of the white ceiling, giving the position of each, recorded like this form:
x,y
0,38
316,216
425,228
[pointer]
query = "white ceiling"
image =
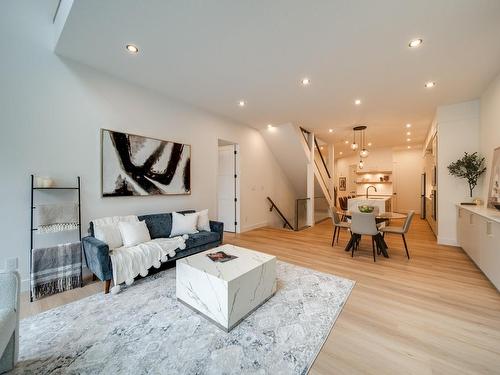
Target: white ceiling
x,y
214,53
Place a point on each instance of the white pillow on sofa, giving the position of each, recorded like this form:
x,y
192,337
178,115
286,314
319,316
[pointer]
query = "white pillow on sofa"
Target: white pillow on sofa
x,y
134,233
203,221
183,224
109,234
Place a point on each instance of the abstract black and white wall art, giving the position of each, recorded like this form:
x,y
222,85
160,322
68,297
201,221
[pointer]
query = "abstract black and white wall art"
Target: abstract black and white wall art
x,y
135,165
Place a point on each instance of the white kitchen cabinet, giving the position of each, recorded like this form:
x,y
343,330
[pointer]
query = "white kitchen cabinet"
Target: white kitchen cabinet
x,y
462,228
490,249
479,235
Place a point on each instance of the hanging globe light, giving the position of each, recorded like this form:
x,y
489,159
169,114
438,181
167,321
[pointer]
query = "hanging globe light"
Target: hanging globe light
x,y
361,164
364,153
354,146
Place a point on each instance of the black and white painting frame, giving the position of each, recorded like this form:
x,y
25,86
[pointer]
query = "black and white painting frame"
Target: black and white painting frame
x,y
342,183
134,165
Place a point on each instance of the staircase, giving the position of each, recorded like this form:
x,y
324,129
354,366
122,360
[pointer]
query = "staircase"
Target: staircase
x,y
301,158
321,172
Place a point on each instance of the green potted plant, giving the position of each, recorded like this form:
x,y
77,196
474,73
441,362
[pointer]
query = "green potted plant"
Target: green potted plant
x,y
470,167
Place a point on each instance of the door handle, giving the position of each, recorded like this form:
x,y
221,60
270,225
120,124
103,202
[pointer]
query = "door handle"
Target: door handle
x,y
489,231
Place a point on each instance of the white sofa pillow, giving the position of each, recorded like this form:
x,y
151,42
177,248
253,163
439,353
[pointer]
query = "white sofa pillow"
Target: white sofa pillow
x,y
203,221
115,219
183,224
109,234
134,233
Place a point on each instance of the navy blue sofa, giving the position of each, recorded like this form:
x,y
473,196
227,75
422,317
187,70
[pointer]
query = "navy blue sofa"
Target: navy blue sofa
x,y
160,226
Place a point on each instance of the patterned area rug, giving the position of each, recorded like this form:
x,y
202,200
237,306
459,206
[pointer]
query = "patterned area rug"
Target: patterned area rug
x,y
144,330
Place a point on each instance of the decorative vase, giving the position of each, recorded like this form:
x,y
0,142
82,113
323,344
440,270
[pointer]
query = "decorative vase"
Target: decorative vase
x,y
47,182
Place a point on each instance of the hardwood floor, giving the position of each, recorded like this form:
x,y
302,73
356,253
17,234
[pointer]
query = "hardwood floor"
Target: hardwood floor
x,y
433,314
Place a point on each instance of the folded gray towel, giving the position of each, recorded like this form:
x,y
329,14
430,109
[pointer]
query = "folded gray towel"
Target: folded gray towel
x,y
56,269
63,213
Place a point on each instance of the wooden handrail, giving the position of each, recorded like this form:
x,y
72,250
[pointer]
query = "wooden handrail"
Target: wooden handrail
x,y
322,159
304,132
285,221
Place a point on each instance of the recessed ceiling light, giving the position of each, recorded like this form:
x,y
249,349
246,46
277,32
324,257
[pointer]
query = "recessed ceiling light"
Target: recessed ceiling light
x,y
321,148
132,49
430,84
357,101
408,133
414,43
269,126
409,147
341,153
242,103
346,142
305,81
408,126
330,130
369,143
408,139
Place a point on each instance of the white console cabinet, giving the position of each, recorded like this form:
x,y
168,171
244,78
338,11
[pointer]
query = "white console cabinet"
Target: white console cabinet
x,y
479,236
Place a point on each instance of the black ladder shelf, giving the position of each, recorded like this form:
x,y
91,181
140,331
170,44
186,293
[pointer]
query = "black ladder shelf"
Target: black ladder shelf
x,y
33,230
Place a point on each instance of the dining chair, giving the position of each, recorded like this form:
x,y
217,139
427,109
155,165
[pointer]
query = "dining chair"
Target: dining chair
x,y
343,208
364,224
338,224
400,230
343,203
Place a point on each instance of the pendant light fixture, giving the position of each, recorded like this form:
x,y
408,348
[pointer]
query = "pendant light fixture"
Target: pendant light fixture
x,y
361,164
364,152
354,145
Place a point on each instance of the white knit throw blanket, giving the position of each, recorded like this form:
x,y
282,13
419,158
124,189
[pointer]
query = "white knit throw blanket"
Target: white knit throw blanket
x,y
129,262
53,228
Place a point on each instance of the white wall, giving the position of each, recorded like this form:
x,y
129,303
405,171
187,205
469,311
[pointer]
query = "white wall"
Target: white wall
x,y
286,146
458,132
489,128
52,110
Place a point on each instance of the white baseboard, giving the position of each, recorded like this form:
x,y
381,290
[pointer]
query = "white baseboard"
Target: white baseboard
x,y
247,228
447,241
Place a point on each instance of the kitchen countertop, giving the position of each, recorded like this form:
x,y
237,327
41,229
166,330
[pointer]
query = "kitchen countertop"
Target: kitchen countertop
x,y
381,202
489,213
371,198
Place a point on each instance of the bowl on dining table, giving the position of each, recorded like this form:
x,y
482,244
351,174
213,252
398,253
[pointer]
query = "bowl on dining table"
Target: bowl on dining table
x,y
366,209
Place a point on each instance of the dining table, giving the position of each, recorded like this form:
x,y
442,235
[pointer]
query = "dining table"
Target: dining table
x,y
381,217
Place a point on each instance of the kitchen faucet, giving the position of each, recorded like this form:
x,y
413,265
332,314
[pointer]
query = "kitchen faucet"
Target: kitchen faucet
x,y
368,188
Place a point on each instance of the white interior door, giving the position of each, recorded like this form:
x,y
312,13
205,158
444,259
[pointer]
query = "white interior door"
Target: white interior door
x,y
395,187
226,185
406,184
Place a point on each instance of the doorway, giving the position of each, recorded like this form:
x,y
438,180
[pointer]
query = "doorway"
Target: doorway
x,y
228,186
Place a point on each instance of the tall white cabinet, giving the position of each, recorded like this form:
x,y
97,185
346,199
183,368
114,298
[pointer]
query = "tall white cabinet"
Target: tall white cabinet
x,y
479,235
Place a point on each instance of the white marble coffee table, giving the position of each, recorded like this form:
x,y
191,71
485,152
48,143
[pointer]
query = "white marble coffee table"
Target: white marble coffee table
x,y
226,292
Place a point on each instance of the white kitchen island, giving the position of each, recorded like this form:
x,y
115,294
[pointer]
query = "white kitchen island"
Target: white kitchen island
x,y
383,203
